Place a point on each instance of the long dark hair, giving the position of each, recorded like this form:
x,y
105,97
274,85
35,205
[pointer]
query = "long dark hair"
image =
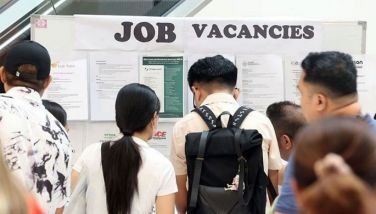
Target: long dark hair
x,y
136,106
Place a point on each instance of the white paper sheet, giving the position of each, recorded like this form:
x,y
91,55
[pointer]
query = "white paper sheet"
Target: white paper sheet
x,y
261,80
292,73
69,87
366,82
153,76
109,72
162,138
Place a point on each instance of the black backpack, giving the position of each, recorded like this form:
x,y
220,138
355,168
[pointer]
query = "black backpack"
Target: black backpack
x,y
215,157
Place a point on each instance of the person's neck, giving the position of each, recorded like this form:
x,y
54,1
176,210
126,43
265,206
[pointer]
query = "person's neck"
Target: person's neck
x,y
142,135
350,108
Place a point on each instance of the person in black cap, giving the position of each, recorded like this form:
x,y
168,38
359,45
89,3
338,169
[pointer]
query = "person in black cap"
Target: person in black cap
x,y
35,144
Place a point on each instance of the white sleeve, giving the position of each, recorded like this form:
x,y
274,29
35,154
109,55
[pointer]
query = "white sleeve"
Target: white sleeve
x,y
77,202
168,180
84,157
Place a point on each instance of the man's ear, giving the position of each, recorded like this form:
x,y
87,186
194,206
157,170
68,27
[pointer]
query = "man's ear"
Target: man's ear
x,y
321,102
286,142
47,82
196,93
3,75
236,93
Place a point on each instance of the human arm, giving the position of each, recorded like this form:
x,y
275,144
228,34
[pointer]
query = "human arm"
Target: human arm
x,y
273,176
74,178
165,204
177,157
59,210
286,201
181,195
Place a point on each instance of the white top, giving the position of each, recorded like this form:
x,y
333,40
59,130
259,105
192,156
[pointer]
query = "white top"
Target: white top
x,y
155,178
36,147
218,103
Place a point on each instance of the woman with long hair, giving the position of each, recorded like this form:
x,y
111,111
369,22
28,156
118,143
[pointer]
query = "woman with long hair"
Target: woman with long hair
x,y
127,175
335,167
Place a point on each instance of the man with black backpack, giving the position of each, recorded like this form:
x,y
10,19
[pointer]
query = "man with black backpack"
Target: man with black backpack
x,y
224,150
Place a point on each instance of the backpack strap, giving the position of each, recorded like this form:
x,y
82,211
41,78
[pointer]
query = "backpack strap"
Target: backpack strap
x,y
271,190
197,169
242,161
239,116
207,115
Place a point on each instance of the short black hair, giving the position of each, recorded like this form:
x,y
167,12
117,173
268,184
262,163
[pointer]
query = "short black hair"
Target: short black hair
x,y
213,69
333,70
56,110
286,117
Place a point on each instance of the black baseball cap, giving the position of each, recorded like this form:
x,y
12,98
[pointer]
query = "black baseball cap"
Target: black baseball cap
x,y
28,52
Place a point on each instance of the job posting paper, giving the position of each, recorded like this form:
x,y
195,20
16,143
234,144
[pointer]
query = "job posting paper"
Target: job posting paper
x,y
110,71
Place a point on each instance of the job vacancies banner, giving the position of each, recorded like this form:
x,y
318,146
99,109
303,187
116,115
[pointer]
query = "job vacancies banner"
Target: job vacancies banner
x,y
196,35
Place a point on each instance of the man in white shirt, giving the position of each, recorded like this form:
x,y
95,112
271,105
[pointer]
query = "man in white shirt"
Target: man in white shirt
x,y
212,81
36,146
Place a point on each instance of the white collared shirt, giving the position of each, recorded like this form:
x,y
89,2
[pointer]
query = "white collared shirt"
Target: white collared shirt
x,y
218,103
156,177
36,147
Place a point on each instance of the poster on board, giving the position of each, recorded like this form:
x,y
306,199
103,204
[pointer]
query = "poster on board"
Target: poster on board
x,y
292,71
109,72
366,68
261,80
164,74
69,86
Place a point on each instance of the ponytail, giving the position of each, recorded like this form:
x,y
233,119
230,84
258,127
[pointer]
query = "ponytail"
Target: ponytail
x,y
337,190
121,162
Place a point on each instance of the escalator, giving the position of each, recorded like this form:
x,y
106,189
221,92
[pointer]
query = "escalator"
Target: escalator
x,y
15,14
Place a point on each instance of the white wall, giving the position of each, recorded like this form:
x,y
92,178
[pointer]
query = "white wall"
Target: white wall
x,y
328,10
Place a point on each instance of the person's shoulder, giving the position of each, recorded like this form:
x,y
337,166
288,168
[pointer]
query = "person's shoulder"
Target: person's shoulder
x,y
91,151
191,117
257,117
370,121
5,100
156,158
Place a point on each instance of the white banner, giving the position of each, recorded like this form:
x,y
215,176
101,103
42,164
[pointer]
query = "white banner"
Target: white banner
x,y
128,33
240,36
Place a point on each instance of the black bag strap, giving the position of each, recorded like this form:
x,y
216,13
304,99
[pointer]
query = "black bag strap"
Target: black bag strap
x,y
207,115
239,116
271,190
242,161
198,169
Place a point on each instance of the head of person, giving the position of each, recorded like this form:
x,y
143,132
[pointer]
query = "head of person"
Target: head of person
x,y
211,75
287,118
327,84
335,167
26,64
57,111
137,109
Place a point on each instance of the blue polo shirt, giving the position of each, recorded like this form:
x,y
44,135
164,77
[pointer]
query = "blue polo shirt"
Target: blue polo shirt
x,y
286,201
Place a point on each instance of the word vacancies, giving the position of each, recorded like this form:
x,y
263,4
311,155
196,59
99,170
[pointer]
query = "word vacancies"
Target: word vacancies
x,y
164,32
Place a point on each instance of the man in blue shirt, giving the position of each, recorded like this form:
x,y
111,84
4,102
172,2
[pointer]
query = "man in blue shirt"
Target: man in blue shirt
x,y
328,87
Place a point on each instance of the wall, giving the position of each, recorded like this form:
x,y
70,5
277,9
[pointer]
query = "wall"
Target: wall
x,y
328,10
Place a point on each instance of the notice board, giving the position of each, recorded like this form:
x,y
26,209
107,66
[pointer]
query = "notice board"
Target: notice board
x,y
99,54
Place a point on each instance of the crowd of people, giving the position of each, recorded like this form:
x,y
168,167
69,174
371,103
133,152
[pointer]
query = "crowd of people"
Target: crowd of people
x,y
319,156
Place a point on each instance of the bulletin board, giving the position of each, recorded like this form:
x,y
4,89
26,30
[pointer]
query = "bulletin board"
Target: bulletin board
x,y
94,56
